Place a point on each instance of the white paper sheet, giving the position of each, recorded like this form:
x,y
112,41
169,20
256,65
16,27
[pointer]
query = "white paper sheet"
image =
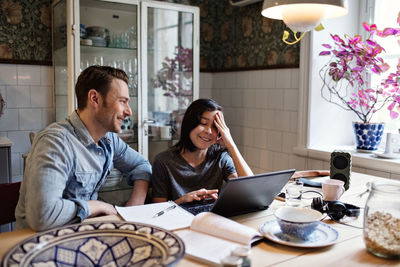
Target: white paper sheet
x,y
173,219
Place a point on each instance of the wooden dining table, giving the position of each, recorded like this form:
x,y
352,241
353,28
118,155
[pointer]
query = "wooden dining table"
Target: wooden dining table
x,y
349,250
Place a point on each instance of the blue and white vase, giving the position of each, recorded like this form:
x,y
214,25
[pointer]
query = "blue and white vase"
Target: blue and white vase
x,y
368,135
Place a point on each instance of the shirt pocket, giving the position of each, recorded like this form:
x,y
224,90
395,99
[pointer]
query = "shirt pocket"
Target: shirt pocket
x,y
86,180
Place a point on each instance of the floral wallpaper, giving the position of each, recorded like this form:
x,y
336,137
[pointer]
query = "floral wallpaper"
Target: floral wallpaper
x,y
239,38
25,31
232,38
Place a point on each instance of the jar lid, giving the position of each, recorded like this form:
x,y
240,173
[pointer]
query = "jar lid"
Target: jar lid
x,y
390,188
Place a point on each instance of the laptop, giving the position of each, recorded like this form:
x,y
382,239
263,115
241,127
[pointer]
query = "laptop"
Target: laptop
x,y
244,194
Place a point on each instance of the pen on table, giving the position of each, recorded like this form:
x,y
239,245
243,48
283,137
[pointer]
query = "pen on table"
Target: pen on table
x,y
164,211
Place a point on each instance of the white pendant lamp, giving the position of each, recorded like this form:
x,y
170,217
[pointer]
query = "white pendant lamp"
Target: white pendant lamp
x,y
303,16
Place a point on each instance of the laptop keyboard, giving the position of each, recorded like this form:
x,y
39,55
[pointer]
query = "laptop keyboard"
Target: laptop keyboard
x,y
197,207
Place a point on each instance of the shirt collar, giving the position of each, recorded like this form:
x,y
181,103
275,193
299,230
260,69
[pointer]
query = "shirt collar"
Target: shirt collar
x,y
82,132
80,129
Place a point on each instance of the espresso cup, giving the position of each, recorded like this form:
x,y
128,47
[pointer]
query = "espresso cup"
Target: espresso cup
x,y
332,189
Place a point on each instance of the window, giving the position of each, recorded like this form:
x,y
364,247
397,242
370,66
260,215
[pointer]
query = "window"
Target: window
x,y
327,126
385,15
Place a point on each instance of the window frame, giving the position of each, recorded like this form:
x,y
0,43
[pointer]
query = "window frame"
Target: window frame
x,y
363,160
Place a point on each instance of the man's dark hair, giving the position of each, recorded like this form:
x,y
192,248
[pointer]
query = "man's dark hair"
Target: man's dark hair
x,y
98,78
192,118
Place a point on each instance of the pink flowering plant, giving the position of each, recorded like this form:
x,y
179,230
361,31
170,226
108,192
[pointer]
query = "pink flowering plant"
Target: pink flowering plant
x,y
169,76
346,77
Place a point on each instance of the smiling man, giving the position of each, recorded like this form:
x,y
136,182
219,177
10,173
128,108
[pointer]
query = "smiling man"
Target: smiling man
x,y
69,160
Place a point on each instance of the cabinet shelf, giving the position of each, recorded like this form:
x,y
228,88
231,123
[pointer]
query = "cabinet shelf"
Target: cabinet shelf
x,y
97,49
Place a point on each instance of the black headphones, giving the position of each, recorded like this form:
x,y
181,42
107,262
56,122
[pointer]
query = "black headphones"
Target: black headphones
x,y
336,210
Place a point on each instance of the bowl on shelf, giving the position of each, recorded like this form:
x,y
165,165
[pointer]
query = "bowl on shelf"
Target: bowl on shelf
x,y
86,42
98,41
298,222
99,35
97,31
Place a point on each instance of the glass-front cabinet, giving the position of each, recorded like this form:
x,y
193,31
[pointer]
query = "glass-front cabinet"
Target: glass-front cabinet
x,y
171,72
155,43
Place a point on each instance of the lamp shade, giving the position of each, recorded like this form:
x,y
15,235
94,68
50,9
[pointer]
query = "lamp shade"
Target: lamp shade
x,y
302,16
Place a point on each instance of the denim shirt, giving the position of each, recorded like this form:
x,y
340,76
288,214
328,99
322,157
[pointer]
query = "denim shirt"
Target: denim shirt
x,y
65,168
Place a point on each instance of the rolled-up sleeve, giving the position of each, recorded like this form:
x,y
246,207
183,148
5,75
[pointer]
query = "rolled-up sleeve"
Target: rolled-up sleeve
x,y
45,179
130,162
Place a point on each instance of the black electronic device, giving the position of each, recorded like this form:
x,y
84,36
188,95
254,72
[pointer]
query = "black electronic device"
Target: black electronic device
x,y
336,210
340,168
281,196
244,194
310,183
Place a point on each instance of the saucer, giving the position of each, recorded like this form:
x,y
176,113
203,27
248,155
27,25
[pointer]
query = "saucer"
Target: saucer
x,y
365,151
323,236
388,155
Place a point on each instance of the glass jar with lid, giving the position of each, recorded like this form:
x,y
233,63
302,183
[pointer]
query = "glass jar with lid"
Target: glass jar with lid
x,y
382,220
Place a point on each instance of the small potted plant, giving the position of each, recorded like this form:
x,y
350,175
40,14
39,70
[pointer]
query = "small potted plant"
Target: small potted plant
x,y
176,76
346,82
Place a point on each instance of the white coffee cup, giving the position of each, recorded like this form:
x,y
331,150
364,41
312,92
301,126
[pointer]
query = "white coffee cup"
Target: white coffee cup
x,y
332,189
165,132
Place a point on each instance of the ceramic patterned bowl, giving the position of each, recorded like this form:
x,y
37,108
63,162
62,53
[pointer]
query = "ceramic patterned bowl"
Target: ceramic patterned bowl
x,y
99,35
298,222
97,31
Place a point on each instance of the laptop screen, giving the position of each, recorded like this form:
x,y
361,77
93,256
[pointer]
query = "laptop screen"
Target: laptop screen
x,y
247,194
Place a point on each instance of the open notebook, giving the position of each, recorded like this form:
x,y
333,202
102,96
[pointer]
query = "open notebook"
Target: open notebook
x,y
212,237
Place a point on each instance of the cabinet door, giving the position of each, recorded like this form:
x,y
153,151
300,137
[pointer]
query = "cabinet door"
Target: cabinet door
x,y
170,66
60,57
108,37
104,33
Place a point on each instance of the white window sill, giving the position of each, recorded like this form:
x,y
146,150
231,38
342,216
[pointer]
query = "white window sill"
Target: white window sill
x,y
358,159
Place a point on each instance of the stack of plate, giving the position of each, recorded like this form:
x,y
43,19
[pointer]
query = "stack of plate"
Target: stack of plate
x,y
98,41
100,36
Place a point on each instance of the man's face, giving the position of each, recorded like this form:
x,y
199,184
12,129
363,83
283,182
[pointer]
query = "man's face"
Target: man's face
x,y
114,107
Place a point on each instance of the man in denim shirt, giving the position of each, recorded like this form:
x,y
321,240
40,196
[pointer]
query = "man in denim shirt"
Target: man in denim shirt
x,y
69,160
